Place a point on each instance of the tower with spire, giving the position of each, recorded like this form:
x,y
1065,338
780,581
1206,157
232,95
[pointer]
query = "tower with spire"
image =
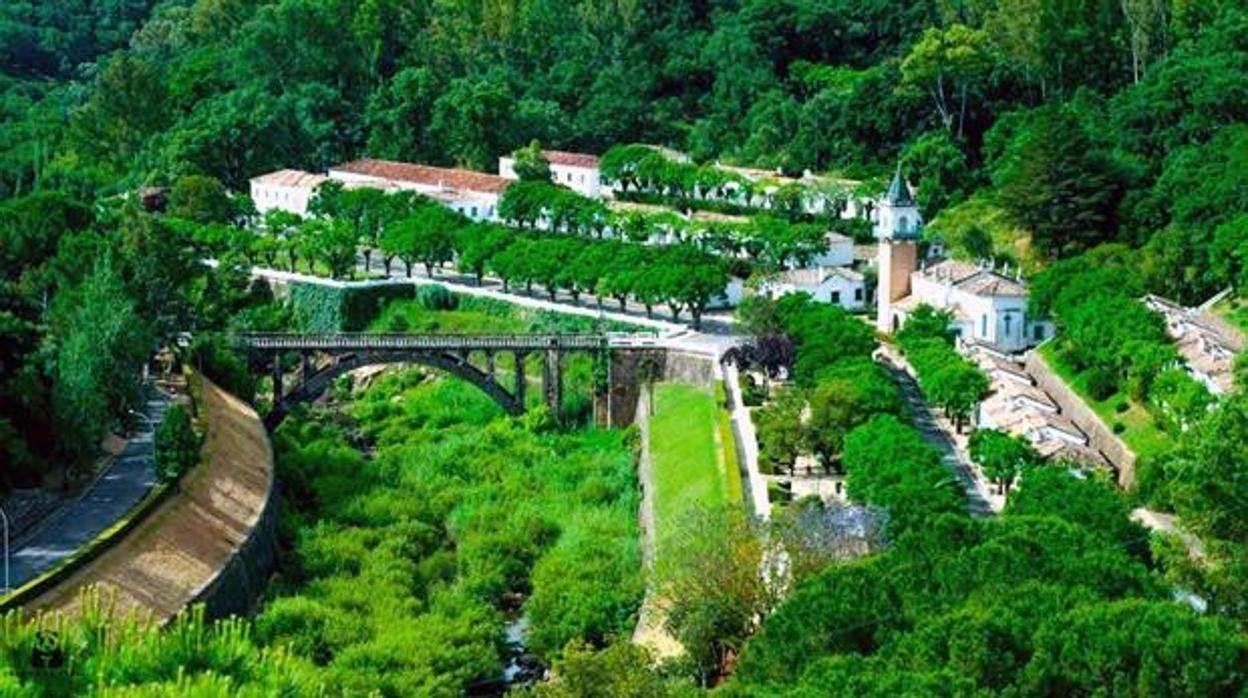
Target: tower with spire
x,y
897,229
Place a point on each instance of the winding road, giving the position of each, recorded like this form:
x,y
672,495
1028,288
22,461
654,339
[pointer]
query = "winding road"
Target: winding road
x,y
122,485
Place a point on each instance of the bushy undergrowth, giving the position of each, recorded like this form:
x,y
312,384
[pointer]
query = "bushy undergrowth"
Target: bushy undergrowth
x,y
417,518
405,563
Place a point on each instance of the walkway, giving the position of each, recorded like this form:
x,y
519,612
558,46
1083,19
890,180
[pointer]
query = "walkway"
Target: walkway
x,y
953,458
747,444
122,485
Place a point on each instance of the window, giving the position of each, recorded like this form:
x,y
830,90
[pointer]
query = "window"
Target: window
x,y
904,225
569,176
983,325
474,211
857,294
582,179
836,297
1038,332
1008,319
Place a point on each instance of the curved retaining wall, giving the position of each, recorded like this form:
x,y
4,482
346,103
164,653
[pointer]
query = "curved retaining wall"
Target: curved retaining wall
x,y
1100,437
213,541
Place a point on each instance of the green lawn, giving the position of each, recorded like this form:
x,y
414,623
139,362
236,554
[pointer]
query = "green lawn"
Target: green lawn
x,y
687,465
1141,434
475,315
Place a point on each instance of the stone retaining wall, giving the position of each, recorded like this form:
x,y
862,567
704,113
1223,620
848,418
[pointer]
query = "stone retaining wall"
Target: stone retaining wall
x,y
213,541
688,367
1074,408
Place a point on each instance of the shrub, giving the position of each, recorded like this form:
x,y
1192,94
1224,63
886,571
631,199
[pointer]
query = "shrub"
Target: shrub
x,y
1101,383
436,297
212,354
323,308
176,444
1119,427
1122,406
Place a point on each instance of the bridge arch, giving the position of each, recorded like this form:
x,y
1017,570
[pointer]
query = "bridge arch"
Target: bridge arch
x,y
449,353
317,383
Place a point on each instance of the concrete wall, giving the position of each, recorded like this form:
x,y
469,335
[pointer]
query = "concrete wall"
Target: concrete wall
x,y
1074,408
688,367
213,541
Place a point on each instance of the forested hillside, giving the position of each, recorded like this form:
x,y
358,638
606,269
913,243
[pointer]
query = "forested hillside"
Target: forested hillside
x,y
1101,145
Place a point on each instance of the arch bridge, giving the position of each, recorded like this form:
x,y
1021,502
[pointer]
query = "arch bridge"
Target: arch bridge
x,y
339,353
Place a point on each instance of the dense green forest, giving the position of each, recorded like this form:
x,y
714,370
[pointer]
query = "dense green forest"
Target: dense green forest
x,y
1101,144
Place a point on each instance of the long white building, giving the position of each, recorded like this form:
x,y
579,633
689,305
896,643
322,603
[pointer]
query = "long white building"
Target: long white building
x,y
474,194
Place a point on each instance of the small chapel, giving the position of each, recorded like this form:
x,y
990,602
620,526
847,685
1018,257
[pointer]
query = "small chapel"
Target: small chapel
x,y
988,305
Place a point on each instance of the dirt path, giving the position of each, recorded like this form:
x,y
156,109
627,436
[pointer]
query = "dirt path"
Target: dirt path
x,y
650,632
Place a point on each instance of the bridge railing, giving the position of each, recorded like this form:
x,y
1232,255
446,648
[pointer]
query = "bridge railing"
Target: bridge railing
x,y
400,341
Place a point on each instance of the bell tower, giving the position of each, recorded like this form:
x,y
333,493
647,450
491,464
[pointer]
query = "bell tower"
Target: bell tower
x,y
897,228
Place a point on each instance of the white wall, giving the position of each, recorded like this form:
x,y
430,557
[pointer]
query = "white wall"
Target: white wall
x,y
268,197
839,253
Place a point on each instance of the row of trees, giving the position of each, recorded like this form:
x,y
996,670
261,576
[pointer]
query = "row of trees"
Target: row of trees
x,y
948,380
642,170
763,239
835,385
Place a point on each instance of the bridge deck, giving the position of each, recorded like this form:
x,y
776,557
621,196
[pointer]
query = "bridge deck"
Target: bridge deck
x,y
349,341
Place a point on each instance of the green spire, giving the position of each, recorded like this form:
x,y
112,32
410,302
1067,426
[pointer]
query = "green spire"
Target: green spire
x,y
898,192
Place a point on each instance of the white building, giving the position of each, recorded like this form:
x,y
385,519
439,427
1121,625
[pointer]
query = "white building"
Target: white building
x,y
836,285
1208,347
474,194
1016,405
576,171
838,253
285,190
988,306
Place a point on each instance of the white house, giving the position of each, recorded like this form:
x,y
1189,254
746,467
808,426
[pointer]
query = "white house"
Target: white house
x,y
475,194
838,253
285,190
1208,346
988,306
836,285
576,171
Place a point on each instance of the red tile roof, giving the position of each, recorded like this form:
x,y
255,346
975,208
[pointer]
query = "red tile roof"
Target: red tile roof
x,y
427,175
563,157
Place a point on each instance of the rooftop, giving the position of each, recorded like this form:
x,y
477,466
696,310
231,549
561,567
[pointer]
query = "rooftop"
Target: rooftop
x,y
568,159
813,276
427,175
290,178
1208,350
898,191
973,279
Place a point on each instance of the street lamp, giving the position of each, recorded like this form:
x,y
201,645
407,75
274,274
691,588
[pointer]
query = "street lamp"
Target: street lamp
x,y
5,517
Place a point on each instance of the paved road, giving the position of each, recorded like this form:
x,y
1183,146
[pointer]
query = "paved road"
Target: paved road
x,y
953,459
123,485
